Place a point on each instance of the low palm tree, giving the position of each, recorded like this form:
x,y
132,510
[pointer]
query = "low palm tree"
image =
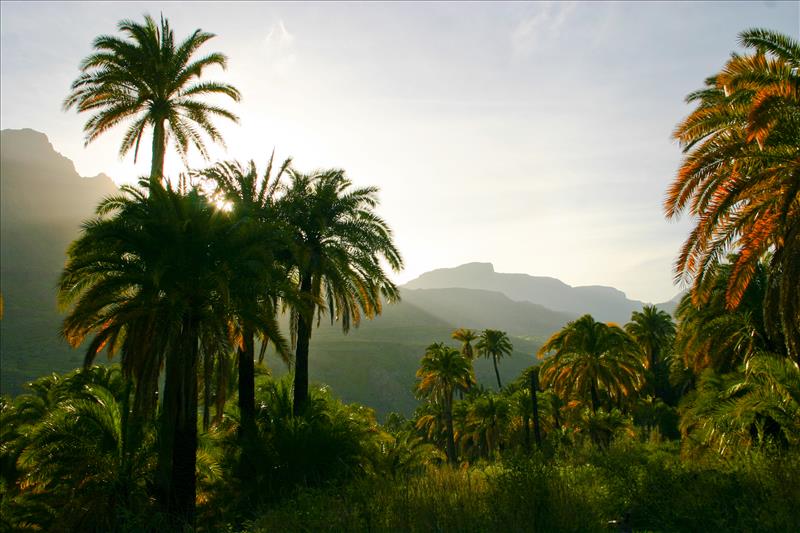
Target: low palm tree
x,y
337,245
152,81
442,370
494,344
488,416
654,333
589,358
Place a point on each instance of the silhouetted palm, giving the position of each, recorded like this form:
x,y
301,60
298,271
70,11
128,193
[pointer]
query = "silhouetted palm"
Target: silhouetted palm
x,y
494,344
338,242
591,357
741,176
442,370
150,278
149,79
255,290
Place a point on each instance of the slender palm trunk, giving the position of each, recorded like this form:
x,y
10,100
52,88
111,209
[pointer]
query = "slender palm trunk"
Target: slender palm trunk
x,y
304,324
526,423
537,432
159,149
208,371
595,399
222,385
178,449
448,420
247,384
496,372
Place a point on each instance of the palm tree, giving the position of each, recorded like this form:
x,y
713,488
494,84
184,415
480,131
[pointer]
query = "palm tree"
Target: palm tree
x,y
466,337
654,332
709,335
741,176
338,242
152,81
591,357
495,344
254,292
442,370
488,415
150,277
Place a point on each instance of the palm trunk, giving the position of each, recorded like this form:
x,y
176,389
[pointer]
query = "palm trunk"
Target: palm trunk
x,y
526,423
178,450
497,373
448,420
247,385
595,399
159,149
222,386
537,432
304,324
208,371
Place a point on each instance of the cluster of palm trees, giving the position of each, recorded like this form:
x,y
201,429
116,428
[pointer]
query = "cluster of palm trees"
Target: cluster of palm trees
x,y
175,277
711,379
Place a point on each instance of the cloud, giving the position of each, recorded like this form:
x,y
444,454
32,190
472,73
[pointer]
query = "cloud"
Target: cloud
x,y
539,30
279,46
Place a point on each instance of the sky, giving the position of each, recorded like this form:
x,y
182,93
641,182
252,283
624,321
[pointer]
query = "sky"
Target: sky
x,y
535,136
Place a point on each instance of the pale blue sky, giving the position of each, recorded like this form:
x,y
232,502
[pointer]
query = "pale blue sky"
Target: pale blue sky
x,y
532,135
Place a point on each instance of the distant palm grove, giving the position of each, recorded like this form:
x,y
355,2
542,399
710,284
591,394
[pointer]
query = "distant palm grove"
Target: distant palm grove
x,y
688,422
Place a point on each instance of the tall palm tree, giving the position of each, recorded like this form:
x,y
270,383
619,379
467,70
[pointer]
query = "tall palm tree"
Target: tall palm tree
x,y
442,370
337,242
150,277
741,176
466,337
591,357
150,80
494,344
254,289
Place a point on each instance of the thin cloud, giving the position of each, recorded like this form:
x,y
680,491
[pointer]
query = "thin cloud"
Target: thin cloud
x,y
279,46
539,30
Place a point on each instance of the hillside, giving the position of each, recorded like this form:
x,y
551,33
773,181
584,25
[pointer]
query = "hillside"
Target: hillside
x,y
43,201
375,364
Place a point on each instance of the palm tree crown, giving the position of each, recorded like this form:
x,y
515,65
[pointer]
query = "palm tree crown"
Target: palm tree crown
x,y
590,357
494,344
149,79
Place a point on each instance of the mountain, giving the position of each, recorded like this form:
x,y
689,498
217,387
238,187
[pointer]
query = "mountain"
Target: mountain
x,y
43,201
604,303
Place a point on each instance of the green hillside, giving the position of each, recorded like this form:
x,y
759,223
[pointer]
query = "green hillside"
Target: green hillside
x,y
375,364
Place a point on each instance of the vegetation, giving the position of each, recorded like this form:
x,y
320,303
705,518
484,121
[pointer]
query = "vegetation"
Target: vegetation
x,y
655,426
154,81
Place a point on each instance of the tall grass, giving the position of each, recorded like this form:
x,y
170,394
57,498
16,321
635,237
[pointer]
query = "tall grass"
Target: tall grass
x,y
645,487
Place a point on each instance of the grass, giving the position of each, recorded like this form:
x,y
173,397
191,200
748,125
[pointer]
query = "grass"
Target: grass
x,y
647,486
